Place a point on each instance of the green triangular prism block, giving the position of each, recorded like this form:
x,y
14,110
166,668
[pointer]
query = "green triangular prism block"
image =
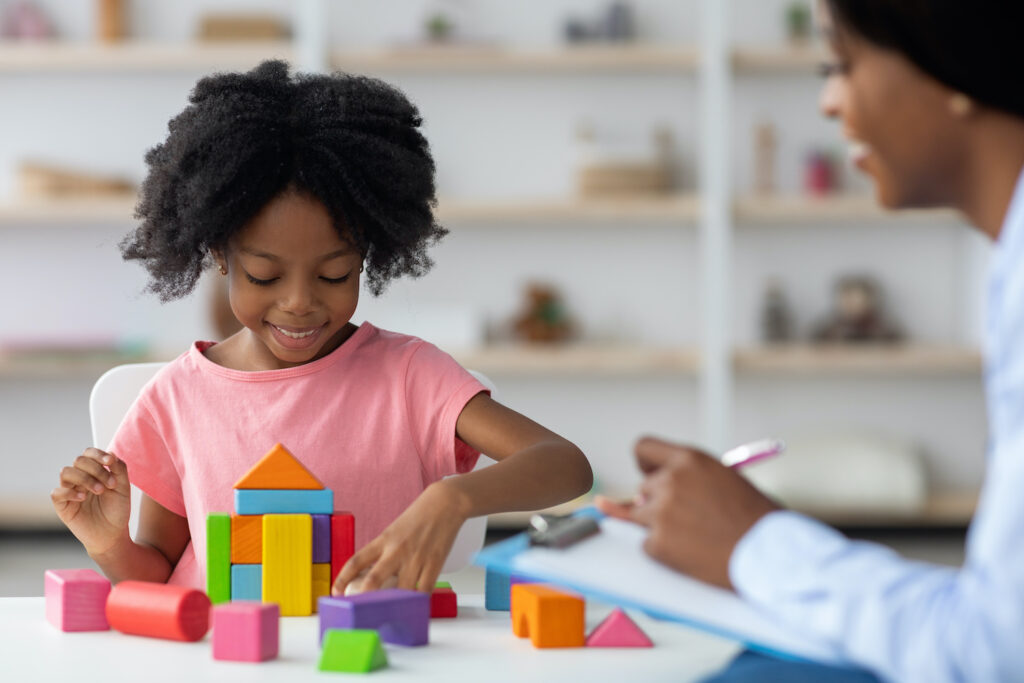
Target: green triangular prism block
x,y
352,651
442,584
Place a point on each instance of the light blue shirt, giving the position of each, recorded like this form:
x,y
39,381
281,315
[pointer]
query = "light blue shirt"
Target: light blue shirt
x,y
911,621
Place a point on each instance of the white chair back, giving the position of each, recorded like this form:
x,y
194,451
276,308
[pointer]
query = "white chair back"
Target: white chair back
x,y
116,390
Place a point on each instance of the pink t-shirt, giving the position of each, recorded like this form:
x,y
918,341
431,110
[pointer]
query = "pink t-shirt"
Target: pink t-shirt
x,y
374,421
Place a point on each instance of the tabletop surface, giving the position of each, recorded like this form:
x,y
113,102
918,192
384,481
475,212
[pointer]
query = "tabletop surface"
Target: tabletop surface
x,y
478,645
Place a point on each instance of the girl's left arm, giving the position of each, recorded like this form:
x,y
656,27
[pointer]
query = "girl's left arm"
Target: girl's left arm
x,y
536,468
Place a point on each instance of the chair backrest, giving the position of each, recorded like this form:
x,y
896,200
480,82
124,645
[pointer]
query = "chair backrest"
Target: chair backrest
x,y
116,390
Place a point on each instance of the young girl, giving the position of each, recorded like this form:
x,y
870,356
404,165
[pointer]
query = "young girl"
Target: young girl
x,y
293,188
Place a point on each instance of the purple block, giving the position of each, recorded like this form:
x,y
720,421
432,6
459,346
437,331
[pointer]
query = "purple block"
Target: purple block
x,y
321,539
401,617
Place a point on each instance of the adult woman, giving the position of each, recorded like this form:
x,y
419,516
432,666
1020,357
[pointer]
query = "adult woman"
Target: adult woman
x,y
928,93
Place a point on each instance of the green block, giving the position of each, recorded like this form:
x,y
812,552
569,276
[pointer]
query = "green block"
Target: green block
x,y
218,557
352,651
442,584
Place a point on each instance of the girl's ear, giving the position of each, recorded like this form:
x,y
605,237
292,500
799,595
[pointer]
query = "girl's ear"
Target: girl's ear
x,y
220,260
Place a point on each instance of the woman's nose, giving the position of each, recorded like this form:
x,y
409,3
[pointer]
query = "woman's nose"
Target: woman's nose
x,y
831,98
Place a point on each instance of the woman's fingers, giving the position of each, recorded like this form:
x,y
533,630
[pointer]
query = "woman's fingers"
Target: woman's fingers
x,y
612,508
354,567
652,454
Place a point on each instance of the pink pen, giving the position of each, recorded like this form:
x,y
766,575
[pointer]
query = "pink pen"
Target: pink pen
x,y
749,453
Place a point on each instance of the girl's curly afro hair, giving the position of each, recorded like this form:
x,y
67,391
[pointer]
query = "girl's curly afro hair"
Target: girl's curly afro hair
x,y
351,142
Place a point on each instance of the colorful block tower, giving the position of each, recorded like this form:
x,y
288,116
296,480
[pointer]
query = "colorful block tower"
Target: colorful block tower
x,y
282,544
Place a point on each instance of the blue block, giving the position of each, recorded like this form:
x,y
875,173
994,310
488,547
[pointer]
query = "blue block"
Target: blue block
x,y
284,501
247,582
498,589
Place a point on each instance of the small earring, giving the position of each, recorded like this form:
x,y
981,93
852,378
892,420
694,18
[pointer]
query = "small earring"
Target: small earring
x,y
360,269
960,104
223,270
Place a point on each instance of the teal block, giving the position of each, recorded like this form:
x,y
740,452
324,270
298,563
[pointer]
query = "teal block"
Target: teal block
x,y
284,501
247,582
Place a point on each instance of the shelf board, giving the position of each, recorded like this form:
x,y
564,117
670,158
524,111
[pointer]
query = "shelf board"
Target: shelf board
x,y
669,208
779,59
807,209
497,59
886,360
950,509
579,360
114,209
135,57
63,366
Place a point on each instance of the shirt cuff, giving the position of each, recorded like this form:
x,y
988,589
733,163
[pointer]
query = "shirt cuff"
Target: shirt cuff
x,y
778,551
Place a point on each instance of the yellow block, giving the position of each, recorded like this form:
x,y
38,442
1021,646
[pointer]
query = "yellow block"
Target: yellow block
x,y
321,582
288,563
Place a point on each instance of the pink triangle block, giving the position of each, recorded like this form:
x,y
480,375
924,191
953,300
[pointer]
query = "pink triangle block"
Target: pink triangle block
x,y
618,630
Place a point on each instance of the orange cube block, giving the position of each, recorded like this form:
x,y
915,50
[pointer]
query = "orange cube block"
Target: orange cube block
x,y
547,616
246,539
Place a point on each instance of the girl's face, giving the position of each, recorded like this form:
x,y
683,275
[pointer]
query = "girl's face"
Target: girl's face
x,y
293,282
899,121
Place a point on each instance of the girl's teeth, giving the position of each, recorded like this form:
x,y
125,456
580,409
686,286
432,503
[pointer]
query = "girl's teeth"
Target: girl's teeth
x,y
295,335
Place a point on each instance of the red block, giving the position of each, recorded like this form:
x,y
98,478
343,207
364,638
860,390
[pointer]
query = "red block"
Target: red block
x,y
343,541
157,610
443,604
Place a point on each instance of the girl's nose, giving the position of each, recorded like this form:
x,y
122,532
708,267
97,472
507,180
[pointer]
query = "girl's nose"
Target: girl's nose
x,y
299,300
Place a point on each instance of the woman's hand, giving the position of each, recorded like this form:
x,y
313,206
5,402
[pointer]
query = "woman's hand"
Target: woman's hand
x,y
93,499
696,509
411,551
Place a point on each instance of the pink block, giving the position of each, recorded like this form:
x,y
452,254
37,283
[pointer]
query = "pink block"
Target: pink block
x,y
246,631
76,599
618,630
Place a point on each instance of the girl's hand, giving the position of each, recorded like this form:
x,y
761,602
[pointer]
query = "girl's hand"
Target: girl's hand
x,y
93,499
411,551
696,509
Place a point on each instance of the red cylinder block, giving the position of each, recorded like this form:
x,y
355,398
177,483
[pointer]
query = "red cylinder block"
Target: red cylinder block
x,y
157,610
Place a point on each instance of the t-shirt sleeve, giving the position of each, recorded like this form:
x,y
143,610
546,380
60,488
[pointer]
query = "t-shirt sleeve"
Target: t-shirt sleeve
x,y
151,466
436,390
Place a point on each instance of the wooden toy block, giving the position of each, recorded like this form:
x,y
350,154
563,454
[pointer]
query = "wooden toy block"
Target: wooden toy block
x,y
549,617
400,616
158,610
283,502
618,630
246,582
497,587
246,631
443,602
246,539
76,599
352,651
218,557
343,541
288,563
321,582
321,539
278,469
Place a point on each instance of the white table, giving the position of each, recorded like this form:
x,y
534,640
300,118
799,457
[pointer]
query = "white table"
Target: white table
x,y
477,646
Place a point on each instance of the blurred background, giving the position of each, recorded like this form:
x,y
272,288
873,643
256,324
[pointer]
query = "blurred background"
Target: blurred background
x,y
653,230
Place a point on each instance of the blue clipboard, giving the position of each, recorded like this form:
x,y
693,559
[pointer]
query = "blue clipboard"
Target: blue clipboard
x,y
611,567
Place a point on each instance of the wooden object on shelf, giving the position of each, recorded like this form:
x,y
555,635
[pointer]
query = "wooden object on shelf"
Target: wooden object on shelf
x,y
246,631
588,360
215,27
288,562
602,177
547,616
158,610
886,360
36,180
76,599
218,556
279,469
618,630
765,148
110,21
352,651
402,617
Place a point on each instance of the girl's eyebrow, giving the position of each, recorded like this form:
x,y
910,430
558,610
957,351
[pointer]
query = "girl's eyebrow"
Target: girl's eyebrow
x,y
344,251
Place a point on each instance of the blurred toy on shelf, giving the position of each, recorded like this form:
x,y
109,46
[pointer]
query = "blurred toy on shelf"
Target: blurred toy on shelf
x,y
241,26
776,316
544,318
110,20
26,20
616,24
608,167
821,173
38,180
858,314
765,148
798,22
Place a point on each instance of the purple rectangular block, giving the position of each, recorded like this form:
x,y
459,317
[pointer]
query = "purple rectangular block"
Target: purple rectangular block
x,y
401,617
321,539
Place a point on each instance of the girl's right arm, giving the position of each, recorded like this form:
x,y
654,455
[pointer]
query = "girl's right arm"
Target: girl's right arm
x,y
93,500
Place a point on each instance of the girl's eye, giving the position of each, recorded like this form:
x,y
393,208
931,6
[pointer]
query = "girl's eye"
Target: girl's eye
x,y
336,280
829,69
257,281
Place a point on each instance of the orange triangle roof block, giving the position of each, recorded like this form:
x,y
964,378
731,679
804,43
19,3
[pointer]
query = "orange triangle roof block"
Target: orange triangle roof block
x,y
278,469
